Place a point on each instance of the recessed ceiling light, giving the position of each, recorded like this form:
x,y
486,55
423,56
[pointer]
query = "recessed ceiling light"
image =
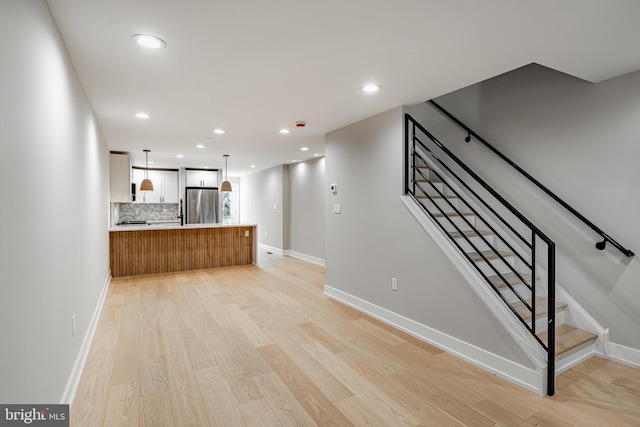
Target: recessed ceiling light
x,y
371,87
180,156
150,163
252,166
219,131
284,131
148,41
304,149
316,155
141,115
201,146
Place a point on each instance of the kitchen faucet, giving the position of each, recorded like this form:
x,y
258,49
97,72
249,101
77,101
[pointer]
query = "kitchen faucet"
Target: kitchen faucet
x,y
180,215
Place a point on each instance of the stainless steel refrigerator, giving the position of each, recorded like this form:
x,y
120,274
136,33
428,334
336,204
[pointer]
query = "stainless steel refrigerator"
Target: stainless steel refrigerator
x,y
202,205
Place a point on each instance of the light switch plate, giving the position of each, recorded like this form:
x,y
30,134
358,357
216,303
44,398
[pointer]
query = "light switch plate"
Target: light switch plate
x,y
337,208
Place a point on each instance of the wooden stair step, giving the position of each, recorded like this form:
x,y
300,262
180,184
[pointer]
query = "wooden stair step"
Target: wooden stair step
x,y
437,197
511,278
433,181
470,233
420,167
568,337
441,215
488,254
541,307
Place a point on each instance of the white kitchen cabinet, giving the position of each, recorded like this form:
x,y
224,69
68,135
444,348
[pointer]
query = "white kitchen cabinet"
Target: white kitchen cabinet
x,y
165,186
201,178
170,189
119,178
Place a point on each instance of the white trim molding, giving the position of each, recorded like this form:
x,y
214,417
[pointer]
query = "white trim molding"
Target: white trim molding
x,y
81,360
531,379
512,326
293,254
625,355
305,257
271,249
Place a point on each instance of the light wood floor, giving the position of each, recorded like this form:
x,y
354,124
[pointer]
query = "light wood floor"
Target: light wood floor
x,y
262,346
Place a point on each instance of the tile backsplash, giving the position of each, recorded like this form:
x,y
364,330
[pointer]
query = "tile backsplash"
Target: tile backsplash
x,y
147,211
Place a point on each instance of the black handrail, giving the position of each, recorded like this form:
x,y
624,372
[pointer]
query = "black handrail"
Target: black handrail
x,y
410,153
599,245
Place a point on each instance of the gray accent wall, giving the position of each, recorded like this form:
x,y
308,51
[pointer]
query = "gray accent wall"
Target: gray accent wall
x,y
581,140
54,243
374,238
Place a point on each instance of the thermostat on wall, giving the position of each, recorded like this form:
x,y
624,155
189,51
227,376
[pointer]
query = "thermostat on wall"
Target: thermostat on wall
x,y
334,188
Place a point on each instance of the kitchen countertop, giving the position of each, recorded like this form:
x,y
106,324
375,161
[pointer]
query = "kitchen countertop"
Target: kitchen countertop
x,y
172,226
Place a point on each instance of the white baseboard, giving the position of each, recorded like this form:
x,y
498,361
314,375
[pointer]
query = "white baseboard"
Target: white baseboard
x,y
305,257
293,254
625,355
270,248
78,367
491,300
531,379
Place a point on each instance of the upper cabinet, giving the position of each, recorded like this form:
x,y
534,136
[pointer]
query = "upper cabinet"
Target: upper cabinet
x,y
165,186
201,178
120,178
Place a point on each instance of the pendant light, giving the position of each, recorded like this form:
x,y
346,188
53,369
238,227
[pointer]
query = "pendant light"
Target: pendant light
x,y
146,184
226,185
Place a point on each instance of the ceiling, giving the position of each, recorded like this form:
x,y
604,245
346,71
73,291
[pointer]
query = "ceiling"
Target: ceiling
x,y
251,67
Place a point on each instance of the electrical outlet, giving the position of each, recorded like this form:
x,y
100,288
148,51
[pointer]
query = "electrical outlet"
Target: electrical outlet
x,y
394,284
246,233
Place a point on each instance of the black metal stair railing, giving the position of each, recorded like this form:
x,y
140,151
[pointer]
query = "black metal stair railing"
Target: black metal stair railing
x,y
502,260
605,237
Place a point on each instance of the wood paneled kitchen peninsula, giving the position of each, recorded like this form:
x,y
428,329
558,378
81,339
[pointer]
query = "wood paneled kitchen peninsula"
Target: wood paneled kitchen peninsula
x,y
151,249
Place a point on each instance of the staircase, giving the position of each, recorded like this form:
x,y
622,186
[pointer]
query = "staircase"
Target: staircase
x,y
511,285
501,251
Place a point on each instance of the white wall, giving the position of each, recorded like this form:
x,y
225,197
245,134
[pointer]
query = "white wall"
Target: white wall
x,y
296,226
261,192
306,201
581,141
54,165
375,238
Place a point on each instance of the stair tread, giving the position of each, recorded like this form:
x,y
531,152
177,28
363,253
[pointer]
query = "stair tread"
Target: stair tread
x,y
488,254
541,307
568,337
470,233
440,215
434,181
437,196
511,278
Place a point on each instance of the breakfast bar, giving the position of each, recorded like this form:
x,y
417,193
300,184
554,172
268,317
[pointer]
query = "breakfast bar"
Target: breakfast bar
x,y
150,249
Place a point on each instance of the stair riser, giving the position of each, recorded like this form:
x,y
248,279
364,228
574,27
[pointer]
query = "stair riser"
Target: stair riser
x,y
510,296
541,321
478,242
447,223
443,205
498,264
428,188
